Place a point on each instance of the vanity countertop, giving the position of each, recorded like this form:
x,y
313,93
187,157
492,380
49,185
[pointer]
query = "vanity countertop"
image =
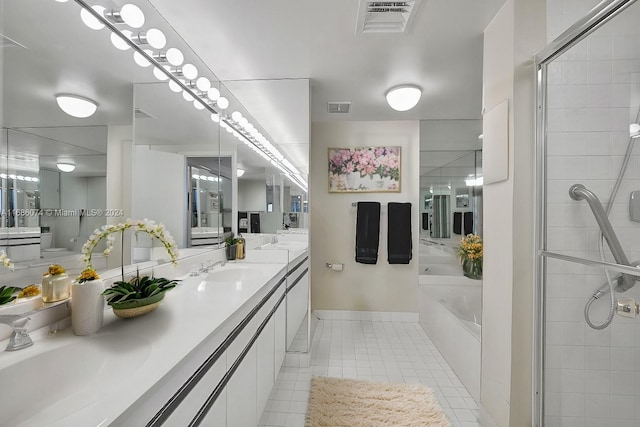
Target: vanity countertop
x,y
67,380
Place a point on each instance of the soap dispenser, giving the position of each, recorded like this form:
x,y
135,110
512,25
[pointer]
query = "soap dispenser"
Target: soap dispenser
x,y
240,247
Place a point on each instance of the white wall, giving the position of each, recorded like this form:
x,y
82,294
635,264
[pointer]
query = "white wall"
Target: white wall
x,y
591,376
512,38
379,287
160,191
252,195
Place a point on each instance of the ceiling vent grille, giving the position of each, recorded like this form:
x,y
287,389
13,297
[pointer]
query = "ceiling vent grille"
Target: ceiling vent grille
x,y
6,42
338,107
386,16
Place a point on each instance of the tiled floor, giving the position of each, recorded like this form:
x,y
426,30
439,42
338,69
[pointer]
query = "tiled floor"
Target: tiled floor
x,y
376,351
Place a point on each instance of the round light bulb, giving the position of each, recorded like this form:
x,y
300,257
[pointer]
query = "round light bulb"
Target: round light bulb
x,y
189,71
159,74
244,122
187,96
175,87
634,130
90,20
156,38
223,103
118,42
203,84
174,56
213,94
132,15
198,105
215,117
141,60
228,129
236,116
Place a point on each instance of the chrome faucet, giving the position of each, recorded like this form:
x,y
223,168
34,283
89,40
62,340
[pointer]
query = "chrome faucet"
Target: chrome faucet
x,y
211,266
19,338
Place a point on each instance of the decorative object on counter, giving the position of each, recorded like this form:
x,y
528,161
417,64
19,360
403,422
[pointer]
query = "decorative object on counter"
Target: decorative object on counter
x,y
87,303
138,296
231,248
7,294
4,259
470,252
56,284
364,169
10,293
30,291
148,226
240,247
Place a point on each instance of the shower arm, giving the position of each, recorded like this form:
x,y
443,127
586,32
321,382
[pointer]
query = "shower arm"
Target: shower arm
x,y
580,192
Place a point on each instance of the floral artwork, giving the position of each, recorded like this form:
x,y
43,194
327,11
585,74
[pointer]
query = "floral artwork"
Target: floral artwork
x,y
364,169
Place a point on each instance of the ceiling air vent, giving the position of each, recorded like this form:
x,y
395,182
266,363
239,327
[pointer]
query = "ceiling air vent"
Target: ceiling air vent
x,y
386,16
338,107
140,114
7,42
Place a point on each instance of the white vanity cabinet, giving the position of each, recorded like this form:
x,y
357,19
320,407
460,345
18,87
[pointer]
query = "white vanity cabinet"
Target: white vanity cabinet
x,y
227,380
298,289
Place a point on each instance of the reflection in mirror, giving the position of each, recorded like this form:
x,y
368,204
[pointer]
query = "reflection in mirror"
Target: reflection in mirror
x,y
451,208
210,197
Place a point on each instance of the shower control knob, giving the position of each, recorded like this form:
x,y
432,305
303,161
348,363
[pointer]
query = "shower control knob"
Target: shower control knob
x,y
627,307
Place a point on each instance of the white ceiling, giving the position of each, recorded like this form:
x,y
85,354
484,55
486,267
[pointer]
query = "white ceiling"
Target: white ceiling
x,y
282,61
253,40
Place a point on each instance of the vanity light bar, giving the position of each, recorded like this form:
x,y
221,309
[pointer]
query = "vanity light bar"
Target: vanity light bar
x,y
144,54
19,177
245,132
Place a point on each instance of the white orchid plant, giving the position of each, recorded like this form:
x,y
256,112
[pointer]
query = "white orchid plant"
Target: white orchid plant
x,y
150,227
4,259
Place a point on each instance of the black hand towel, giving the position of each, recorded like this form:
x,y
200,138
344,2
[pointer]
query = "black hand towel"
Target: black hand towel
x,y
399,233
457,223
367,232
468,223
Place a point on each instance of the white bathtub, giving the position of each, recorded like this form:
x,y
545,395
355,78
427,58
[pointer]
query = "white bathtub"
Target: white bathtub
x,y
450,313
438,260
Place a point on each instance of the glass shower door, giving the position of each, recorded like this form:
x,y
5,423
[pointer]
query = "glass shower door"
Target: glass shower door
x,y
588,331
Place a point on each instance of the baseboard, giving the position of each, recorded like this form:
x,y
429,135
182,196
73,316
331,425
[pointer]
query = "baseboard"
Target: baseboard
x,y
374,316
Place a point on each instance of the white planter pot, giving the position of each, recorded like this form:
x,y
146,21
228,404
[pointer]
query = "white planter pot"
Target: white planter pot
x,y
87,307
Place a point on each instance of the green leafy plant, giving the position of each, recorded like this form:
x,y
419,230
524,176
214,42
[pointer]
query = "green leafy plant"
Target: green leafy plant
x,y
230,241
6,294
138,288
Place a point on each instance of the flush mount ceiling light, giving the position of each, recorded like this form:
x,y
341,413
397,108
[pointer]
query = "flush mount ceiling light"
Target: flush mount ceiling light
x,y
76,106
634,130
240,172
65,166
404,97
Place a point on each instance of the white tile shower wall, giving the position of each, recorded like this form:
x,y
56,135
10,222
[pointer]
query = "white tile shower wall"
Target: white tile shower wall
x,y
592,376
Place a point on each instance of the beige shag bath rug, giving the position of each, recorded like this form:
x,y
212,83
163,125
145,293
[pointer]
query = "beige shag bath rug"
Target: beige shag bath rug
x,y
344,402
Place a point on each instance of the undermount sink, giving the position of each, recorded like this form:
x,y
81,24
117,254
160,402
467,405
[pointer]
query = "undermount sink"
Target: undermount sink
x,y
68,377
236,274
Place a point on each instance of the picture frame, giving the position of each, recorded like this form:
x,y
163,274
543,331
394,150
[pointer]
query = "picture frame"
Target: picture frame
x,y
364,169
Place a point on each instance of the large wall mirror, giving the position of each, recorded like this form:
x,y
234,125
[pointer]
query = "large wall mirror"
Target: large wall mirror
x,y
138,154
450,191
